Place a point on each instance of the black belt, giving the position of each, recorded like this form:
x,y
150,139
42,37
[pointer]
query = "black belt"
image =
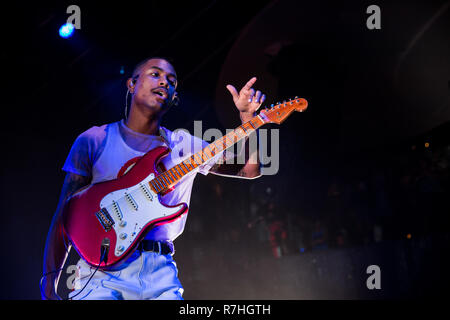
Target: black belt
x,y
161,247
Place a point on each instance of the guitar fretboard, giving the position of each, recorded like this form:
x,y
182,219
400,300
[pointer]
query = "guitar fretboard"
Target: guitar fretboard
x,y
171,177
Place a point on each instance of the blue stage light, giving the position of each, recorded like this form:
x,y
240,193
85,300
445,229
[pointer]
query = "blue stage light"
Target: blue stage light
x,y
66,30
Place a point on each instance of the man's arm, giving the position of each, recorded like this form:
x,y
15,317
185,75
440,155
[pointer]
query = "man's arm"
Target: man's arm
x,y
251,168
247,101
55,253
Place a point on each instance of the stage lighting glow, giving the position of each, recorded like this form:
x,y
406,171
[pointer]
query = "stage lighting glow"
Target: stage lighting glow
x,y
66,30
427,144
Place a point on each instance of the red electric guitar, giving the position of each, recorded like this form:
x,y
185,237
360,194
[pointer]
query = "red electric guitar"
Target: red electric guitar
x,y
110,218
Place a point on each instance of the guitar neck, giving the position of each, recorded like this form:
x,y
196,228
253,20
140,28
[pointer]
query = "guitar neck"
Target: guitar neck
x,y
171,177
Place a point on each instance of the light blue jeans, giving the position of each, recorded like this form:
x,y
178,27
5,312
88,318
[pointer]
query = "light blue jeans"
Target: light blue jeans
x,y
144,276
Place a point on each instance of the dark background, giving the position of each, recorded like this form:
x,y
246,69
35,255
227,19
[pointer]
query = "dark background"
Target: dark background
x,y
357,185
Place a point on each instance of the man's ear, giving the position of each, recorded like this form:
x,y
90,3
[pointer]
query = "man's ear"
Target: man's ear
x,y
131,84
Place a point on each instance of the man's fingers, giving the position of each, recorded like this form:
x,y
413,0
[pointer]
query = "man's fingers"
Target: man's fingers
x,y
233,91
251,95
263,98
257,96
247,92
249,84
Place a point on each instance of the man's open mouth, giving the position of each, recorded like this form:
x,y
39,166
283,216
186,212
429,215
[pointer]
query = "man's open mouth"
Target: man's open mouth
x,y
161,92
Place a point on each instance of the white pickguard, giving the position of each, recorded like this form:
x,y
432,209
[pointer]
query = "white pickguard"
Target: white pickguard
x,y
131,209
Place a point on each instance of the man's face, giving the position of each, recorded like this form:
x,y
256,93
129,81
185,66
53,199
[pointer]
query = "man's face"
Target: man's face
x,y
155,85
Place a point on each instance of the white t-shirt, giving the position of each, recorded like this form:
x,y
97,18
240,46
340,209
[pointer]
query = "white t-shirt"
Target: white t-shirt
x,y
102,152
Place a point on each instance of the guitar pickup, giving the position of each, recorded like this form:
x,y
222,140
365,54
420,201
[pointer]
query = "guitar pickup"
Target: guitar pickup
x,y
146,192
131,201
105,219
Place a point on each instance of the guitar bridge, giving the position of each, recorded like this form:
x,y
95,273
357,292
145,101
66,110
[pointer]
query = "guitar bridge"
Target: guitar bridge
x,y
105,219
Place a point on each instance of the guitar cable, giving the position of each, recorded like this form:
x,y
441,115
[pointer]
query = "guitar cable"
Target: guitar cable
x,y
42,278
103,258
54,271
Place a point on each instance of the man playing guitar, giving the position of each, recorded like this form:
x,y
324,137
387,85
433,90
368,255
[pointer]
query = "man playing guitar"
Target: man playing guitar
x,y
107,152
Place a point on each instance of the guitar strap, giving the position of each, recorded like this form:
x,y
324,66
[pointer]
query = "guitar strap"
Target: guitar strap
x,y
163,134
161,167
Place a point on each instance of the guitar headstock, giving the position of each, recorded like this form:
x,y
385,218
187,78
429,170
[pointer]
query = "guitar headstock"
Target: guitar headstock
x,y
278,113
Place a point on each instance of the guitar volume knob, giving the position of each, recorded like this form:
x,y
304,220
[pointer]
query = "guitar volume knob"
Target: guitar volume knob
x,y
123,236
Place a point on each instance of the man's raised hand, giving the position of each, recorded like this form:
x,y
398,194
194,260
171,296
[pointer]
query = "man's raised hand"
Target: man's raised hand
x,y
247,100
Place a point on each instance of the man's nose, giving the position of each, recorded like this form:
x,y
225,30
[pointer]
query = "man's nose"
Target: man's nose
x,y
164,83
